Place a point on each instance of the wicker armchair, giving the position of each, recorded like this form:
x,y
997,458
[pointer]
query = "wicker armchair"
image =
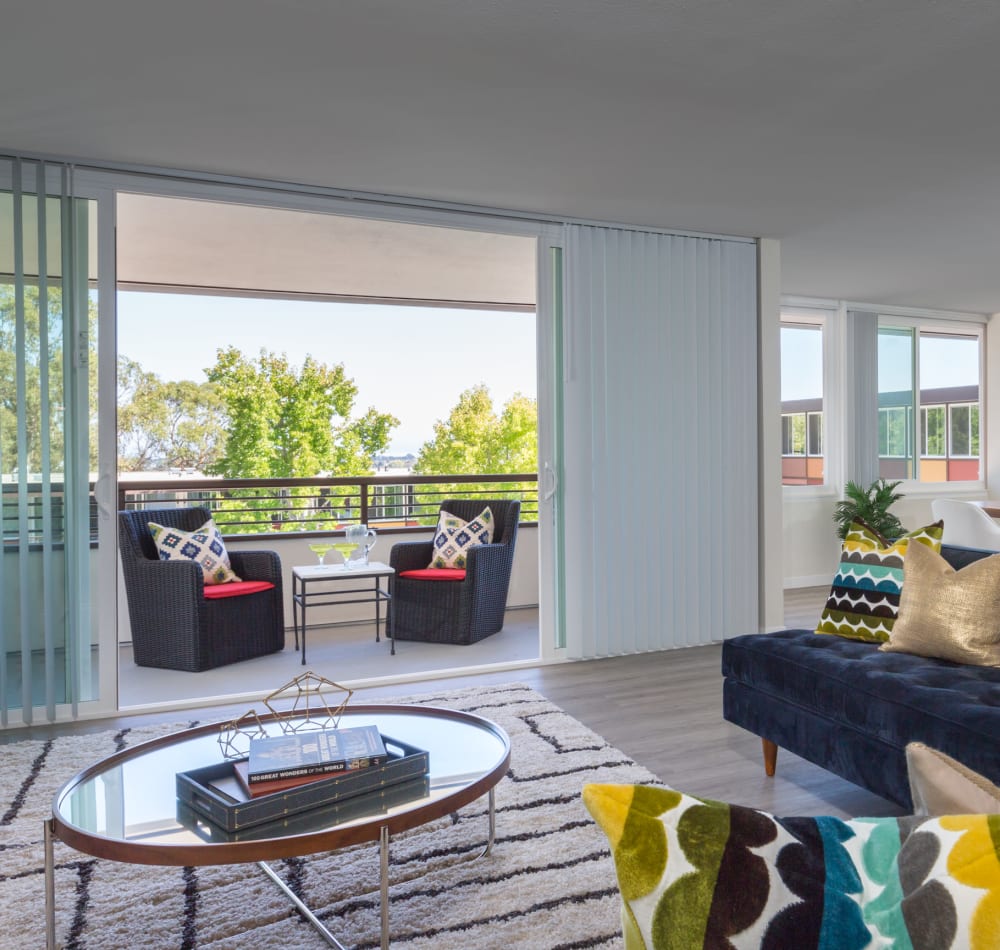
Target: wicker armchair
x,y
174,626
455,611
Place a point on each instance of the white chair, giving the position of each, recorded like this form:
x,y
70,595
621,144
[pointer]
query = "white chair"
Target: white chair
x,y
966,524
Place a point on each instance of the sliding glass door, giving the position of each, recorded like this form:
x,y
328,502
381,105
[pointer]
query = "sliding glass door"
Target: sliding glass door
x,y
48,444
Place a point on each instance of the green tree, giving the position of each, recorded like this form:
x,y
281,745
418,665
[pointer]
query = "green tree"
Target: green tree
x,y
286,422
476,439
166,424
41,356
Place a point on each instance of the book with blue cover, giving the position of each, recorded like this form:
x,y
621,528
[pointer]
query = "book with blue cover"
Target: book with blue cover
x,y
314,753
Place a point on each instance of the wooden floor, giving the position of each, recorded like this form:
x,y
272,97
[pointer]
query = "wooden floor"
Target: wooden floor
x,y
663,709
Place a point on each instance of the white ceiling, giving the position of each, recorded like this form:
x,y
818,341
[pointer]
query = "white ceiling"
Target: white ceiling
x,y
209,246
864,135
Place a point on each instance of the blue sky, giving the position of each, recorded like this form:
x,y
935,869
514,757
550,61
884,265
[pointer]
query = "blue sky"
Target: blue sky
x,y
944,361
409,361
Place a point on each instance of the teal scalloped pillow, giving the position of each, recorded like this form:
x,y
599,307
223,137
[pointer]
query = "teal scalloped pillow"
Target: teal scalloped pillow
x,y
698,873
864,598
204,546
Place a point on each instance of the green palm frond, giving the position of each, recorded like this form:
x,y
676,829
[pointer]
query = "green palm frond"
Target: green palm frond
x,y
871,506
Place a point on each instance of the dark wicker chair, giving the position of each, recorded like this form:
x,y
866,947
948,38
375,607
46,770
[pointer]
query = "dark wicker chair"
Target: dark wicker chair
x,y
174,627
455,611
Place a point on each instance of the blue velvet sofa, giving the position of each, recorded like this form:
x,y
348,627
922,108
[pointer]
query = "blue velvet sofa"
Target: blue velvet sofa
x,y
851,708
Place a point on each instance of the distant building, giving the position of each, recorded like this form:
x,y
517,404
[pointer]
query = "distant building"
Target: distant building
x,y
947,436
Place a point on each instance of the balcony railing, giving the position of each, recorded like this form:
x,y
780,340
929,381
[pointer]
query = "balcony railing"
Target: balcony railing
x,y
387,502
265,506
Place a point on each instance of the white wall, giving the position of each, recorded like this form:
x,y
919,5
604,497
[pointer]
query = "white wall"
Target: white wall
x,y
811,546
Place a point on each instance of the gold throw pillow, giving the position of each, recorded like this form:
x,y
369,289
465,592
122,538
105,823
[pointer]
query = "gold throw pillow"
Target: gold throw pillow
x,y
949,614
939,785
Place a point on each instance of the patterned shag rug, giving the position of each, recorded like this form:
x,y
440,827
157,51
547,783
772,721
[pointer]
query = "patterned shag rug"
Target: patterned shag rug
x,y
549,882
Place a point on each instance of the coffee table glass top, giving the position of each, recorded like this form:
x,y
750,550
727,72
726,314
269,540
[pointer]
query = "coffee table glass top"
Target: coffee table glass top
x,y
127,804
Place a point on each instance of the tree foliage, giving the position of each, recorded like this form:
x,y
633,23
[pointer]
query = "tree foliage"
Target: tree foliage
x,y
474,438
289,422
166,424
41,341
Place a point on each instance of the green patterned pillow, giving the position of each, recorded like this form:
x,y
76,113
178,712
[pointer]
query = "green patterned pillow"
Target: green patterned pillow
x,y
204,546
454,537
697,873
864,599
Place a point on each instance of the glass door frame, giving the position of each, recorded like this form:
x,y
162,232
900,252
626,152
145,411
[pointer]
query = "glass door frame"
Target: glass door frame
x,y
108,183
99,606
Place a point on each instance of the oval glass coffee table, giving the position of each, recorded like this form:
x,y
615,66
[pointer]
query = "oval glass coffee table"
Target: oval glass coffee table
x,y
125,808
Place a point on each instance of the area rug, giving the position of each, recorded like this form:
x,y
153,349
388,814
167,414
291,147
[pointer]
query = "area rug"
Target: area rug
x,y
549,883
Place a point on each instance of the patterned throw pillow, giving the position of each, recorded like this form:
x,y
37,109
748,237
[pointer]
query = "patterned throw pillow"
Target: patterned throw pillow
x,y
696,873
204,546
940,785
864,598
454,537
948,614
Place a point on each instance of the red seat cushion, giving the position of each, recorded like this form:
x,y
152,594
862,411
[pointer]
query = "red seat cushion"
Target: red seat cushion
x,y
236,588
435,574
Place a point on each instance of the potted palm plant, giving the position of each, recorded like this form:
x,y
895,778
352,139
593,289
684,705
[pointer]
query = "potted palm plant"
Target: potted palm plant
x,y
870,505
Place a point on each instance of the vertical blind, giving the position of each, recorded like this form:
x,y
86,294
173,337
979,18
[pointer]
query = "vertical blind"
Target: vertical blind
x,y
860,394
44,439
660,440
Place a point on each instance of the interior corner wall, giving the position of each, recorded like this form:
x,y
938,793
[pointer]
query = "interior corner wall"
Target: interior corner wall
x,y
660,469
991,405
771,536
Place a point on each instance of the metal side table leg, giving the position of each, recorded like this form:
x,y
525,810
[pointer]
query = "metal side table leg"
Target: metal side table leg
x,y
50,887
493,823
383,851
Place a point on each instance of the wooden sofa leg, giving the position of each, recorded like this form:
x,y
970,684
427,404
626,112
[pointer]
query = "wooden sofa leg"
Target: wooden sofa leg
x,y
770,756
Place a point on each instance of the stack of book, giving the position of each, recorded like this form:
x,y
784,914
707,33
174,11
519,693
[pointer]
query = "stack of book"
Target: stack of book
x,y
278,763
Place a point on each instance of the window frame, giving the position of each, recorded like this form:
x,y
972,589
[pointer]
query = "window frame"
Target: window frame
x,y
924,410
950,438
809,315
941,324
884,411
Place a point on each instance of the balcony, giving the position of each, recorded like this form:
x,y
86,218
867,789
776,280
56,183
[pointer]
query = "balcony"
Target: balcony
x,y
286,516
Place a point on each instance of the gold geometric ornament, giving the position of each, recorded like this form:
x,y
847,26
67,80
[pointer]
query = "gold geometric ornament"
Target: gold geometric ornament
x,y
235,736
310,709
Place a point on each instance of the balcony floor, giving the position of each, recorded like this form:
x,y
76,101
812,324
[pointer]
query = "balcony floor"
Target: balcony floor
x,y
343,653
349,654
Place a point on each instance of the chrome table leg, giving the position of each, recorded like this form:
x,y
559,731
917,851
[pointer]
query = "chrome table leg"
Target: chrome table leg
x,y
493,824
50,887
301,907
383,852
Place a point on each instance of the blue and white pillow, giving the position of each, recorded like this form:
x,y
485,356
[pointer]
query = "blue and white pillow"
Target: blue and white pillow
x,y
454,537
204,546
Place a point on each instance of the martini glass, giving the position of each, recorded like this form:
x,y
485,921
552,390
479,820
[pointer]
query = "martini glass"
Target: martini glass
x,y
345,548
320,549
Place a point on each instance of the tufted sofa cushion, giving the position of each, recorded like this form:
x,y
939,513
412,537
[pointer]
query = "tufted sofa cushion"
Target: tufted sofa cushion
x,y
852,709
894,698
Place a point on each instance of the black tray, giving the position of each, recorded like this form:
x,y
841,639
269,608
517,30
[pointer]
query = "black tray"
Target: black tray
x,y
197,789
320,817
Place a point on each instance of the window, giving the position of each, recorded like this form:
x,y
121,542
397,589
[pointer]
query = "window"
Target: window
x,y
928,377
893,432
932,431
963,430
793,433
814,433
802,461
